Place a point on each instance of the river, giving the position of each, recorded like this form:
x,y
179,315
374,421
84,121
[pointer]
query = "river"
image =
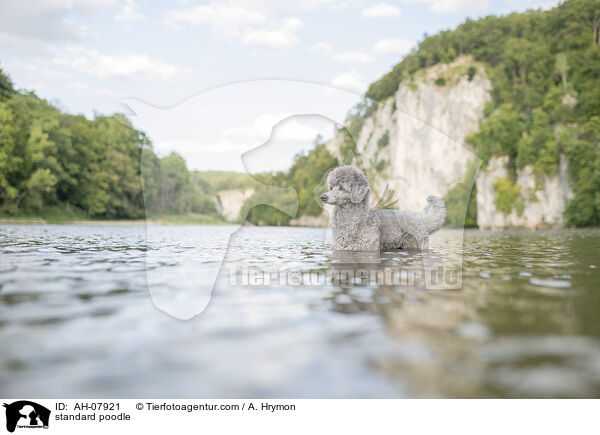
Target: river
x,y
136,311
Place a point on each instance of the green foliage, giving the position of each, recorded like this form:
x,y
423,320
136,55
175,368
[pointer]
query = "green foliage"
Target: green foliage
x,y
471,72
170,189
562,66
441,81
506,194
545,72
461,201
521,46
584,170
357,115
499,134
381,165
307,177
384,140
214,181
263,214
203,204
59,165
51,159
6,86
174,188
538,145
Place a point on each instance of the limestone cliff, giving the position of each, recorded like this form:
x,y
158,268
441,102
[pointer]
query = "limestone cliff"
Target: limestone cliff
x,y
414,143
540,201
231,201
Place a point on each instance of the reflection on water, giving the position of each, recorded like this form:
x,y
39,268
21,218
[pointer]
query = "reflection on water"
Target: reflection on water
x,y
76,317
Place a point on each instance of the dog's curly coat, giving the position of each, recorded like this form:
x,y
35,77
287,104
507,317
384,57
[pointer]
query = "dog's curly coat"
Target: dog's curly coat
x,y
357,227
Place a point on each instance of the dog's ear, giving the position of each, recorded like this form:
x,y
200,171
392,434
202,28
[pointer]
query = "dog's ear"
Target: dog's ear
x,y
358,192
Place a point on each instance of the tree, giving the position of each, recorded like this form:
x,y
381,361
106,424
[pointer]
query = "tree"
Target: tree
x,y
545,74
562,66
506,194
6,86
499,134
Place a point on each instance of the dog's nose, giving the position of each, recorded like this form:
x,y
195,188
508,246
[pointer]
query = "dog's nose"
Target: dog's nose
x,y
324,197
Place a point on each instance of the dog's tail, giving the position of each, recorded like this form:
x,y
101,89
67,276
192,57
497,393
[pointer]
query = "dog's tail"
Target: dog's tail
x,y
434,214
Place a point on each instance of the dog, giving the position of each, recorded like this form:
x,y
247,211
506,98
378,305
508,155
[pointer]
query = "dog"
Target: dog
x,y
358,227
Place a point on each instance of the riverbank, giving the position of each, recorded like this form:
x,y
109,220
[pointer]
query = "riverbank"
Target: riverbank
x,y
199,219
188,219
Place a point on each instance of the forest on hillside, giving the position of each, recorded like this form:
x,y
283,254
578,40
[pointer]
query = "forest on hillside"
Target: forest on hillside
x,y
545,72
61,166
306,177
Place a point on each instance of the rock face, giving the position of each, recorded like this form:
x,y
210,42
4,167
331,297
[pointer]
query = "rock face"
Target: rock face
x,y
544,199
425,124
414,144
231,202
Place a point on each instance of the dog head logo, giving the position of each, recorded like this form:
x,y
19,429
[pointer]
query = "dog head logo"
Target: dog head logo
x,y
261,133
224,125
26,414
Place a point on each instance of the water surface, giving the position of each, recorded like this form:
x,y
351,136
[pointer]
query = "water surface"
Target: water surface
x,y
77,318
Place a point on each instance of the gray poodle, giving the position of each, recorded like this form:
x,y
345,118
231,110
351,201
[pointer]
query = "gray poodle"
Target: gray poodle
x,y
357,227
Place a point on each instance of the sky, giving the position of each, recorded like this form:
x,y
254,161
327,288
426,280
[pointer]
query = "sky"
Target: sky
x,y
214,80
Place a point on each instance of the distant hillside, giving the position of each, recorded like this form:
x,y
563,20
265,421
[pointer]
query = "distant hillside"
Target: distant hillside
x,y
60,166
544,67
542,110
224,180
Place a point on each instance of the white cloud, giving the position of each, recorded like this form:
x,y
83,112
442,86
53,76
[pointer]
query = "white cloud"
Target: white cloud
x,y
85,89
294,130
129,12
286,134
353,57
281,37
395,46
257,131
453,6
456,6
133,64
100,65
523,5
241,20
33,76
270,7
28,21
349,81
189,147
228,20
381,10
322,48
283,127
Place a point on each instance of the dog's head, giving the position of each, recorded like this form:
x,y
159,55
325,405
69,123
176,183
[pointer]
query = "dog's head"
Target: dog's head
x,y
346,185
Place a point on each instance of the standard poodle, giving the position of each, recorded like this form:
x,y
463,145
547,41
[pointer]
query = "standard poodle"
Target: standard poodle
x,y
358,227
